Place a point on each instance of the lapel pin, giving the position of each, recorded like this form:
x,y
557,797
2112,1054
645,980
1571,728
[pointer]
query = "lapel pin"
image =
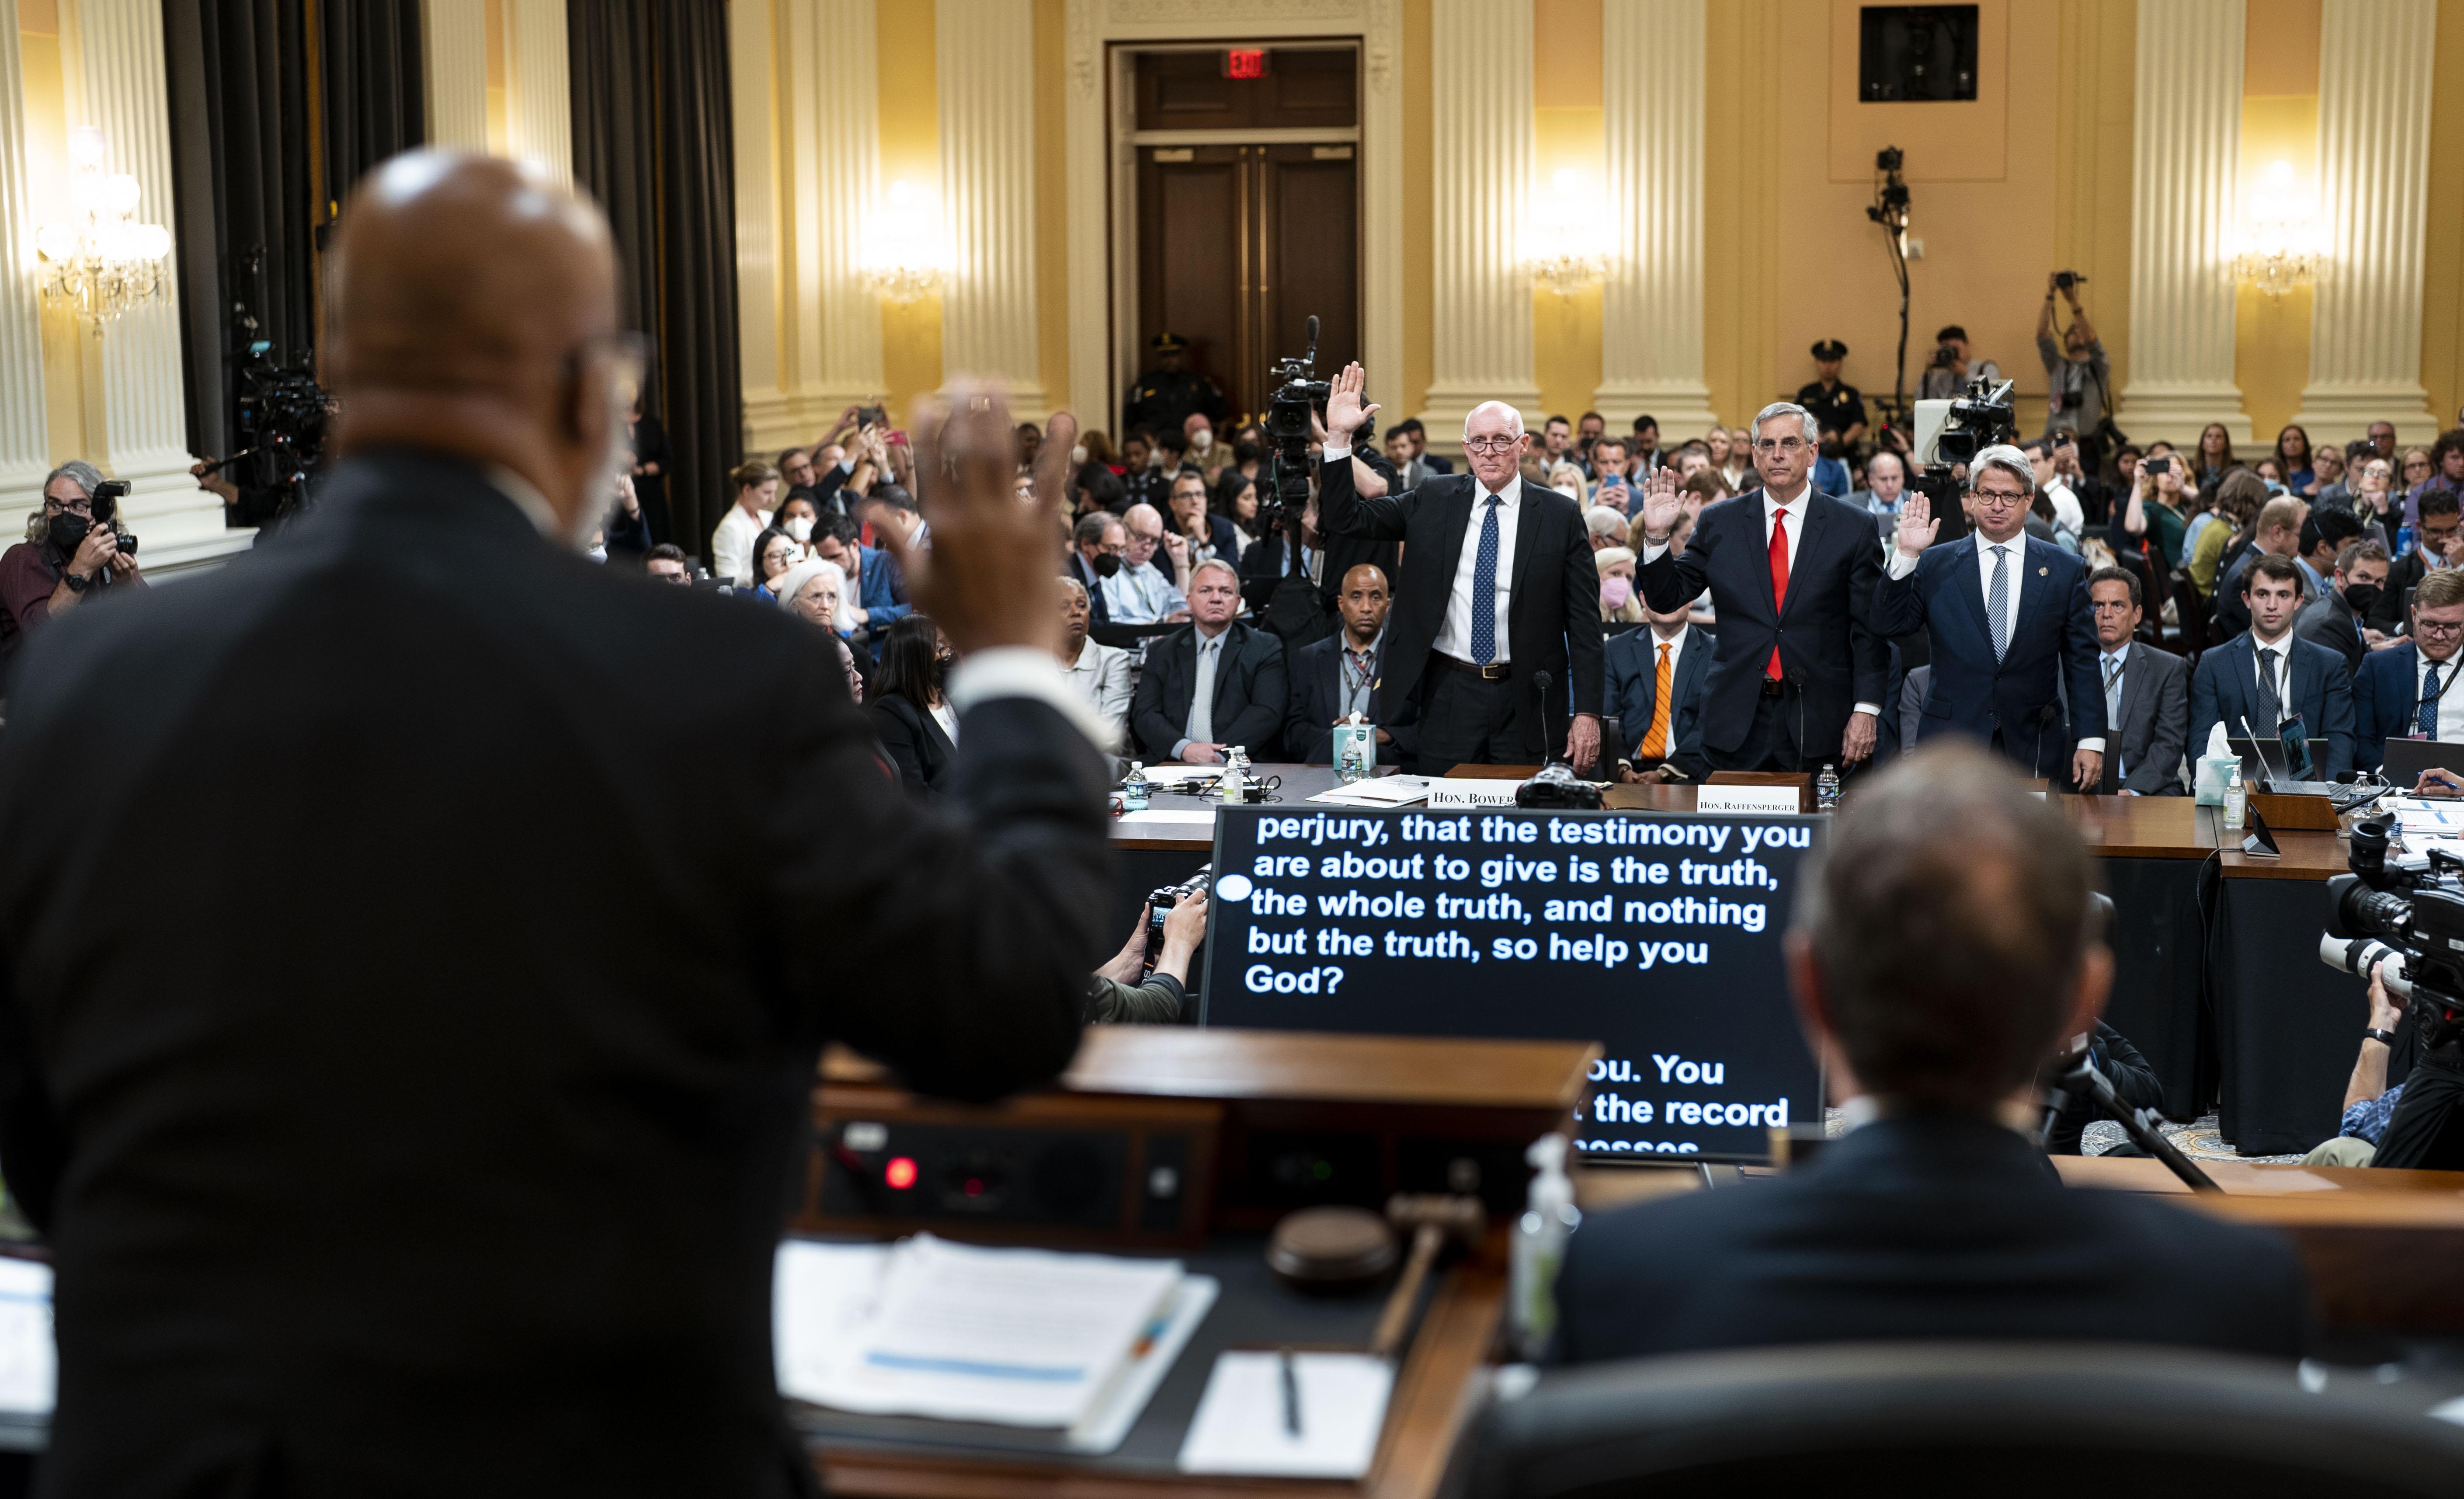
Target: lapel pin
x,y
2041,571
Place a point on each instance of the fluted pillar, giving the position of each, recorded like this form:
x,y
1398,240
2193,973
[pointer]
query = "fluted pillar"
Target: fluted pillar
x,y
1653,64
2374,85
453,57
142,433
23,455
2185,151
1479,55
539,94
985,50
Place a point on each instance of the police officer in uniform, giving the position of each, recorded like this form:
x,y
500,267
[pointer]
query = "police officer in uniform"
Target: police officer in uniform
x,y
1839,411
1165,395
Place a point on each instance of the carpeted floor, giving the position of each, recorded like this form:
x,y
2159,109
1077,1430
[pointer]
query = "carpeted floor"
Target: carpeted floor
x,y
2197,1139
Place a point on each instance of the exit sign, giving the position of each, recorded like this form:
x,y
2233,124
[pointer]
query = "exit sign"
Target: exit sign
x,y
1245,63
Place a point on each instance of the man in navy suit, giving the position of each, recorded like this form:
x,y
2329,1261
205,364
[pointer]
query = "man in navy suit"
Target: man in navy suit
x,y
2408,690
1798,672
1336,676
2008,623
1662,732
2265,677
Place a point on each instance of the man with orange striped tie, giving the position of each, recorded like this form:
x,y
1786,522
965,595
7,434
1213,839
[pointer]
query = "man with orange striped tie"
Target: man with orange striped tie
x,y
1655,690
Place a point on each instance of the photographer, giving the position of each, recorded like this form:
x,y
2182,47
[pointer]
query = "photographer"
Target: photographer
x,y
74,552
2369,1103
1947,378
1120,999
2076,369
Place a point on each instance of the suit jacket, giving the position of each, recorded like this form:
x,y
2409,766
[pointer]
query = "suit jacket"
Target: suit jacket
x,y
2387,701
2153,732
1922,1227
1553,610
432,1133
2053,646
2225,690
1251,695
1093,582
1317,689
2404,575
1630,662
1825,634
2329,623
915,743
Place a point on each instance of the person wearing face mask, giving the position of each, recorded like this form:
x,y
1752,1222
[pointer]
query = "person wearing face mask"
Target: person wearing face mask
x,y
67,557
798,516
1247,461
1619,604
1202,452
1095,547
910,713
2339,619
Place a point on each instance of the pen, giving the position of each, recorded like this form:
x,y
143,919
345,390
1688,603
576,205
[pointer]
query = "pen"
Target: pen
x,y
1291,1395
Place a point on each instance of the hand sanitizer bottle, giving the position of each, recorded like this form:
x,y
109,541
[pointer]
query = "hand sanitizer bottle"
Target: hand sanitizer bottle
x,y
1540,1247
1134,791
2236,801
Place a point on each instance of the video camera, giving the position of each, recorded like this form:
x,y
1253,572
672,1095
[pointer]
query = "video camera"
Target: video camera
x,y
1951,433
2407,928
1298,394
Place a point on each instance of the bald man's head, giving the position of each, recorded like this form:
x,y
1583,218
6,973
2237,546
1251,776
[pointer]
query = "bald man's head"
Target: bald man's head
x,y
1364,601
470,308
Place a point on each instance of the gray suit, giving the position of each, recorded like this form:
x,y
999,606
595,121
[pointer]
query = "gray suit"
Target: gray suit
x,y
2329,621
2153,726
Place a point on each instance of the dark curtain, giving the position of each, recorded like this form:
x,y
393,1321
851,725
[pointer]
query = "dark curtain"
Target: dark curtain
x,y
652,140
375,87
243,211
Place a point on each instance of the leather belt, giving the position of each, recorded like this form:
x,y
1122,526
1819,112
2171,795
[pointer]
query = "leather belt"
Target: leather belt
x,y
1494,672
1775,687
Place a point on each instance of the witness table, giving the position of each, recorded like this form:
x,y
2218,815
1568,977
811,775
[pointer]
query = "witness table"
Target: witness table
x,y
2287,1026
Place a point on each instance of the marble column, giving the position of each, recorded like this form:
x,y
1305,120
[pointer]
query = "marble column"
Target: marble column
x,y
24,455
144,424
983,49
1481,82
1653,67
2185,152
2374,116
539,95
453,47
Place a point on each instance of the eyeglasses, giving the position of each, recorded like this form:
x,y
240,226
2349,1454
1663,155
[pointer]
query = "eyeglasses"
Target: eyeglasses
x,y
1787,445
1489,444
2439,627
1997,499
74,507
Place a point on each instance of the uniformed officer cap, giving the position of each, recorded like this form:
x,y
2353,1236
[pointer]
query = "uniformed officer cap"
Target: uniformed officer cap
x,y
1830,349
1168,343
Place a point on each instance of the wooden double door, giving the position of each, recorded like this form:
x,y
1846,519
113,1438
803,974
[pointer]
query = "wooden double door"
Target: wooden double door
x,y
1237,246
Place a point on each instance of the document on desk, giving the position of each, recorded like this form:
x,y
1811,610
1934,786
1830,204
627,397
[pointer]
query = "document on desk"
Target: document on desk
x,y
1377,791
1242,1427
29,1365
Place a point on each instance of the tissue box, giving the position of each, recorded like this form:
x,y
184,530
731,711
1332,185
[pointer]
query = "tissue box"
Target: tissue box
x,y
2213,772
1365,735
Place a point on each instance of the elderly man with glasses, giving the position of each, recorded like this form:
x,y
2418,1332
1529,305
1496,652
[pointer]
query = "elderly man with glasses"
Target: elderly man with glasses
x,y
2008,621
67,558
1801,674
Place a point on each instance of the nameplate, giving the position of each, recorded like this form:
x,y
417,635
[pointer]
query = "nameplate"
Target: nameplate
x,y
1766,800
1448,792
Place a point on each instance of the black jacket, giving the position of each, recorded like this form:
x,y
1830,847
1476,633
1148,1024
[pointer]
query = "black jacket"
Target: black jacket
x,y
2133,1081
432,1133
915,742
1824,631
1317,688
1249,692
1552,621
1922,1228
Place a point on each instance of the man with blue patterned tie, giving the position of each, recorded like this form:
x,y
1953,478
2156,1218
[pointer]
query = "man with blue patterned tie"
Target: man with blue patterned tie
x,y
1498,586
2409,688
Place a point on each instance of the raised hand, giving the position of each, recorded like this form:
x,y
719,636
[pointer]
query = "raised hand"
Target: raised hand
x,y
987,578
1344,410
1660,505
1917,524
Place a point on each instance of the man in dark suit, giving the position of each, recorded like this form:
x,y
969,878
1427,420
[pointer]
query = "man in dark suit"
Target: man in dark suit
x,y
2263,678
1663,730
2007,627
1943,951
432,1133
1801,674
1337,676
2434,550
2410,690
1212,684
1096,544
2146,693
1485,602
2339,620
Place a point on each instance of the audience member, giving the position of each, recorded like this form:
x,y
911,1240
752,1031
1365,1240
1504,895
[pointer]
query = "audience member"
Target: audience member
x,y
665,563
912,715
2277,533
2323,539
1886,480
1942,949
876,590
1141,593
2369,1103
1202,536
1612,484
731,544
2381,437
1645,447
1238,503
2407,691
1838,409
1588,428
1334,677
2152,521
2435,546
647,457
1655,678
1606,527
1567,479
1798,675
1557,442
2096,501
2053,490
2218,536
2339,619
1100,489
2002,680
1619,604
2328,468
1097,671
1948,374
627,529
2440,471
2214,455
2263,679
2076,369
2146,693
774,552
2291,456
1097,543
1214,684
1126,993
70,555
1248,466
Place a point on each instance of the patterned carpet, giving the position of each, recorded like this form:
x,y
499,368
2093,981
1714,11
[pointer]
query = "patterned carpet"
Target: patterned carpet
x,y
2197,1139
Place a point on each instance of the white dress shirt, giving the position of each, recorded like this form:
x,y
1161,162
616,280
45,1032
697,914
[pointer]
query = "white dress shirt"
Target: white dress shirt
x,y
1454,635
1101,676
1141,595
2067,511
731,544
2450,697
1773,510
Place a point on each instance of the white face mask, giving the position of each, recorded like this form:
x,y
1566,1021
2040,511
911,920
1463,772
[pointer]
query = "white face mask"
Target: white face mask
x,y
1078,455
1201,440
800,528
597,553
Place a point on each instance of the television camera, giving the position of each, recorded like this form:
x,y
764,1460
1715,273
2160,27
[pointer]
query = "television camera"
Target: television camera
x,y
2405,927
1950,434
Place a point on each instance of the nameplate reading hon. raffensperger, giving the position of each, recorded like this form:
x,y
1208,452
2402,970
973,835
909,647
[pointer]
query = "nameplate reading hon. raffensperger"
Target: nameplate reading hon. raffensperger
x,y
1656,934
1762,800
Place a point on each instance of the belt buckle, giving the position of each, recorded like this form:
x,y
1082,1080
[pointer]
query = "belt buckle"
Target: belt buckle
x,y
1492,671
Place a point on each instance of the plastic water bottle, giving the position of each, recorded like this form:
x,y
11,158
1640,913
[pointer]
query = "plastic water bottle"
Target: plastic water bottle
x,y
2236,801
1134,790
2403,540
1826,789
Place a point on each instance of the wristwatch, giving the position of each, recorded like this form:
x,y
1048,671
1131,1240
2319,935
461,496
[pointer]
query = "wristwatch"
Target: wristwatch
x,y
2385,1038
77,583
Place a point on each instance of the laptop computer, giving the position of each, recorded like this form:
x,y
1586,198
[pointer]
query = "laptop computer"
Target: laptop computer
x,y
2408,759
2271,766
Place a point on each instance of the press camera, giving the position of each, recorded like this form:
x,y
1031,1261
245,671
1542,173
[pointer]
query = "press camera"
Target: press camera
x,y
2406,928
1160,904
1298,394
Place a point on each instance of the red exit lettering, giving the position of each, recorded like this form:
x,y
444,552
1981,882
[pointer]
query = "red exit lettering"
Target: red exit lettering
x,y
1245,63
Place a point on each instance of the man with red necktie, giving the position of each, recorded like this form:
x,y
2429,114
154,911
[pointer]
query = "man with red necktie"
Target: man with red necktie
x,y
1798,675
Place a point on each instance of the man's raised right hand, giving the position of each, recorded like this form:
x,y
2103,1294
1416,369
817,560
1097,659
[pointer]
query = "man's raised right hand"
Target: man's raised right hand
x,y
987,578
1661,506
1344,410
1917,524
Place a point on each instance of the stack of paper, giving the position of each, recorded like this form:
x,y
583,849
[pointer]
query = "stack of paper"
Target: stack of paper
x,y
1325,1425
1377,791
29,1367
1014,1337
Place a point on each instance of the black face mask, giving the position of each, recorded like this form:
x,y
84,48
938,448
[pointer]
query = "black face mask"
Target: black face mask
x,y
68,530
2363,597
1106,564
942,669
1244,450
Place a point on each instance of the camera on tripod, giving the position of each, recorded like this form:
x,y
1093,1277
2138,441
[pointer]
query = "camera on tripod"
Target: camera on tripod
x,y
2406,928
1298,395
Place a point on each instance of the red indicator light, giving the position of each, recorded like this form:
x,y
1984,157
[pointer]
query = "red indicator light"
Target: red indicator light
x,y
1245,63
975,1186
899,1173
